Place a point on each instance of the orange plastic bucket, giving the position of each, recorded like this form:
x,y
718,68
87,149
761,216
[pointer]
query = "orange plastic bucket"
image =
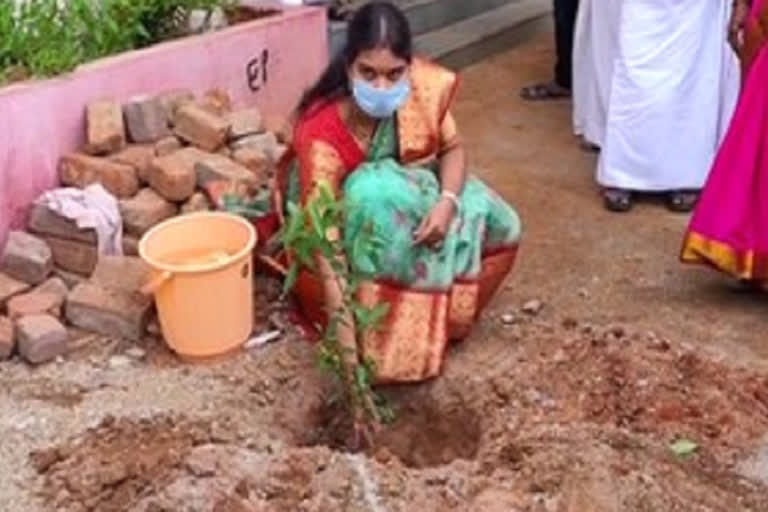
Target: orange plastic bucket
x,y
202,281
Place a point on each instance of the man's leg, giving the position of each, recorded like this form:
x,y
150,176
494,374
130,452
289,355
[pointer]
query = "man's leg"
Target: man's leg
x,y
565,24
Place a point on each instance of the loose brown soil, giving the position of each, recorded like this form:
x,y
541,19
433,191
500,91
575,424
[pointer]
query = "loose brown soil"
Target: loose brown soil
x,y
560,417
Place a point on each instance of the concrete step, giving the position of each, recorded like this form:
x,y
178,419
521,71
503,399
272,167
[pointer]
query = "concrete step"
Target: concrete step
x,y
427,15
460,32
470,40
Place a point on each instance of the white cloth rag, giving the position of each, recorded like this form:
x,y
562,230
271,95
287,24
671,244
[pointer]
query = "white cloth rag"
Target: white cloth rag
x,y
90,208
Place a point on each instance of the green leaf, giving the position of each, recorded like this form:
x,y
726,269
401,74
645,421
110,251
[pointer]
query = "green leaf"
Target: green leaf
x,y
362,378
317,223
683,447
379,312
290,279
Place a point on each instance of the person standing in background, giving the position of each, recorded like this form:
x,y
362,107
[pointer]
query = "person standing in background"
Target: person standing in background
x,y
594,52
565,22
674,86
728,229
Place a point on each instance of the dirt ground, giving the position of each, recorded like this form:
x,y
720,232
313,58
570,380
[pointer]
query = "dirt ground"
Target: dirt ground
x,y
569,409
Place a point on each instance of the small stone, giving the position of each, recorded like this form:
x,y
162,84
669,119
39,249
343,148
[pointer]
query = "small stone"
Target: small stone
x,y
105,128
80,170
7,338
26,258
570,323
41,338
536,397
144,211
71,256
508,319
560,357
202,463
172,101
136,353
10,287
43,460
153,328
35,303
146,120
533,307
201,128
121,273
167,145
219,168
138,156
173,176
256,161
197,203
44,221
266,142
120,361
657,343
245,122
583,293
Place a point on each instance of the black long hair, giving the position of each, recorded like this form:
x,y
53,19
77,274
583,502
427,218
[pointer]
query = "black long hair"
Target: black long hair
x,y
375,25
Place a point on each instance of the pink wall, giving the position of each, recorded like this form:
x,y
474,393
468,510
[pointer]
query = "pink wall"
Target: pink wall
x,y
41,120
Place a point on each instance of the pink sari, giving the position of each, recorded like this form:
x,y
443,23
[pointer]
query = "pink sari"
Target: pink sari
x,y
729,229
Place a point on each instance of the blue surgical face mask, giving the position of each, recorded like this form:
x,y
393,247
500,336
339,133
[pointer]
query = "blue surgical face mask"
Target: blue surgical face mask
x,y
380,103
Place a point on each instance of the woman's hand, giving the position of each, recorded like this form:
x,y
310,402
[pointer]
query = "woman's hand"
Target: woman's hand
x,y
435,225
736,25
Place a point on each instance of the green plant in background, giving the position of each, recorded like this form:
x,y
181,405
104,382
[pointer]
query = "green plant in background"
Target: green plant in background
x,y
40,38
313,231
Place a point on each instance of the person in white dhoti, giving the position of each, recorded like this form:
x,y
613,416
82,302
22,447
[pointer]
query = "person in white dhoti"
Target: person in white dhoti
x,y
673,86
594,52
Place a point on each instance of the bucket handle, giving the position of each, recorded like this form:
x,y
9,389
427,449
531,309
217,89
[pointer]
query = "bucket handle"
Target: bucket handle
x,y
159,280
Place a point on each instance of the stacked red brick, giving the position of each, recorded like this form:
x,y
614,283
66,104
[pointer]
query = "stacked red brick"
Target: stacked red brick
x,y
159,156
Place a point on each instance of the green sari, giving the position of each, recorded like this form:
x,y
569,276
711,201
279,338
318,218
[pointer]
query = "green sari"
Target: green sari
x,y
395,199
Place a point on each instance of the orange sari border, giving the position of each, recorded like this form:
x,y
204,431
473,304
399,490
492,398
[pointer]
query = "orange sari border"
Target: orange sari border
x,y
410,344
419,121
742,264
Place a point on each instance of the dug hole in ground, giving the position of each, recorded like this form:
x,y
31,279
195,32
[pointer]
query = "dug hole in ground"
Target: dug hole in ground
x,y
568,397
